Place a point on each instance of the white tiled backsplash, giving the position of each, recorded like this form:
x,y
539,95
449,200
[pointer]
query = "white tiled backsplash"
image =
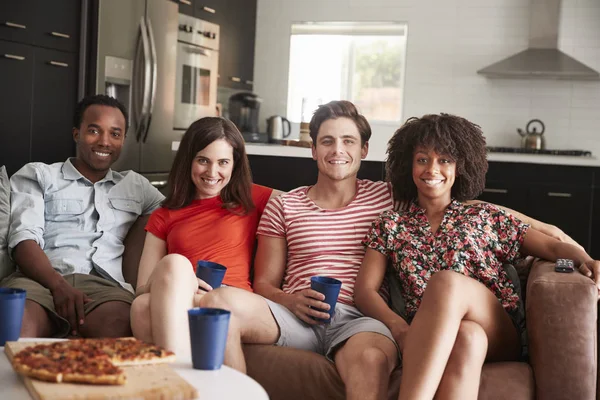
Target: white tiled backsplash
x,y
448,41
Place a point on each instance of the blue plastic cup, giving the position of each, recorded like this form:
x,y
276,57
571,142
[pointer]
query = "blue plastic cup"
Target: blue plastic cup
x,y
330,287
210,272
12,306
208,336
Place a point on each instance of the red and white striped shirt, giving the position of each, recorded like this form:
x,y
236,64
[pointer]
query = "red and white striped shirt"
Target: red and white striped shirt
x,y
324,242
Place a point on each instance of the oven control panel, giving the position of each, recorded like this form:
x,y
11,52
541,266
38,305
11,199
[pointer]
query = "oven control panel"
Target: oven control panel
x,y
198,32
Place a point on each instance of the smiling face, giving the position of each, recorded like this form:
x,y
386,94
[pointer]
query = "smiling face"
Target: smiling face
x,y
99,140
433,174
212,168
338,149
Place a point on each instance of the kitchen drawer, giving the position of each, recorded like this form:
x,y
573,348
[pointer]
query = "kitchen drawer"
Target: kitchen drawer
x,y
506,194
56,24
568,207
525,173
16,20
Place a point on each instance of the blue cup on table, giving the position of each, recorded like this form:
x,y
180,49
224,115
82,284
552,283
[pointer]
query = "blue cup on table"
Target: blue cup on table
x,y
330,287
12,306
208,336
210,272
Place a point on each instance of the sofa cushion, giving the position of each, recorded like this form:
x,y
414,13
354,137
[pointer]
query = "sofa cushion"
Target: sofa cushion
x,y
290,374
6,265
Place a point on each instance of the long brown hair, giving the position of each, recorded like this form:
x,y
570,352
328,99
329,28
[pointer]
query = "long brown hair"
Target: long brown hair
x,y
182,191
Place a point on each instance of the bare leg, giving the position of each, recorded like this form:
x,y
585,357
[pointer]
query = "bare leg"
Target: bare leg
x,y
449,299
110,319
141,324
463,372
173,286
251,321
365,362
36,322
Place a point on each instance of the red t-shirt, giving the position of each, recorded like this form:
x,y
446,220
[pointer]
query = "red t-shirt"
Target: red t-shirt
x,y
205,231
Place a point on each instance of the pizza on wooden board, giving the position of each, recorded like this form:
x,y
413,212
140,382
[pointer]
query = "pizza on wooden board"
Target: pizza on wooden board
x,y
95,361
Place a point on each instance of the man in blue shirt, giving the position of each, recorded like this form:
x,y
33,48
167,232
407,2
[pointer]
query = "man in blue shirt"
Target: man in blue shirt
x,y
68,223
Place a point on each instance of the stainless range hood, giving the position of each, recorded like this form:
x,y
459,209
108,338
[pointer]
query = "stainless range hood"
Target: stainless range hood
x,y
542,59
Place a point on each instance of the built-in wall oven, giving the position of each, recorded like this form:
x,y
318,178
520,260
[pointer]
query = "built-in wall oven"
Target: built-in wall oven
x,y
197,71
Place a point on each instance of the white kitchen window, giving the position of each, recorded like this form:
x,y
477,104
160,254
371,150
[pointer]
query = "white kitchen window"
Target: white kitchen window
x,y
362,62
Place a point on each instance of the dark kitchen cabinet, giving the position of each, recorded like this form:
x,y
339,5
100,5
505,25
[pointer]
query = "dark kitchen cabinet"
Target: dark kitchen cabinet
x,y
287,173
16,81
186,7
40,92
16,20
54,100
39,56
560,195
56,24
238,31
237,22
50,24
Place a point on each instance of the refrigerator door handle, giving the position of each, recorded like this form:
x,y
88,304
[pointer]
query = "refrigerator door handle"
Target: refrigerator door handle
x,y
152,78
142,111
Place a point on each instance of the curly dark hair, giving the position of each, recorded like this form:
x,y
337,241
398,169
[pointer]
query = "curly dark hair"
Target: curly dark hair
x,y
101,100
446,134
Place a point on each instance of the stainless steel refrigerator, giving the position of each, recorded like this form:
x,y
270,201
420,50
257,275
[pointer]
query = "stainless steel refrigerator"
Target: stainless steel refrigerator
x,y
135,61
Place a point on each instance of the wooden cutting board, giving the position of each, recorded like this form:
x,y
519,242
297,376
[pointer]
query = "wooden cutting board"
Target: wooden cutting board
x,y
157,381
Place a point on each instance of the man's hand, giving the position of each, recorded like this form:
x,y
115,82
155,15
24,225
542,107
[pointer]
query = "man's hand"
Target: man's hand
x,y
69,302
399,331
307,304
591,269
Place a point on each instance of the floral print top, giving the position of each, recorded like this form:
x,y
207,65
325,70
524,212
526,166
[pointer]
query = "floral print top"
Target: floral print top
x,y
472,239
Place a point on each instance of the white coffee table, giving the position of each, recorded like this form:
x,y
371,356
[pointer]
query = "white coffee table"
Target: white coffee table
x,y
223,384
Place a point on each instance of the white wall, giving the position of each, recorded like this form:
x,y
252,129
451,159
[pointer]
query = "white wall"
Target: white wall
x,y
448,41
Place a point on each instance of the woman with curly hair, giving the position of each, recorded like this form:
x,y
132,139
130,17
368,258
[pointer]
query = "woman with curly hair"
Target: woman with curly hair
x,y
461,308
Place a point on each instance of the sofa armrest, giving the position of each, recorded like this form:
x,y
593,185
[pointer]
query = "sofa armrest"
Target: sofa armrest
x,y
561,314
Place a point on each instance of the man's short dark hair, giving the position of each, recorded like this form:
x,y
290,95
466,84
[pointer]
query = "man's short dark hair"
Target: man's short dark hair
x,y
101,100
338,109
456,137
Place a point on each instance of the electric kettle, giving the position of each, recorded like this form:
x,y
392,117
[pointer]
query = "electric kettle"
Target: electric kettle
x,y
532,138
278,127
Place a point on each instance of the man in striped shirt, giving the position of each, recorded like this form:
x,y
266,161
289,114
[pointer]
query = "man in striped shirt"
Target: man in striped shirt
x,y
317,230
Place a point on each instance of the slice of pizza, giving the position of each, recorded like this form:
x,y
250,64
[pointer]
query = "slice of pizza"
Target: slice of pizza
x,y
61,362
131,351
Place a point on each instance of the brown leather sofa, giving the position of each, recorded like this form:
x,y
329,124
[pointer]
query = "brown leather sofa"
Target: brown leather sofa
x,y
562,324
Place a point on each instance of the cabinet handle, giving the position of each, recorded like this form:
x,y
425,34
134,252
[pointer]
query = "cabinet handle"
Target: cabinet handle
x,y
159,184
235,79
60,35
58,64
14,57
503,191
558,194
14,25
186,2
209,10
248,82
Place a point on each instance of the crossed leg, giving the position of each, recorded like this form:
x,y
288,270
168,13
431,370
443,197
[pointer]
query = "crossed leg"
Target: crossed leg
x,y
160,316
430,361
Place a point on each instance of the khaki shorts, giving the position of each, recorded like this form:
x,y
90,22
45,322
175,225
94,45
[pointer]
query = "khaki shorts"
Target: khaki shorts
x,y
324,339
99,289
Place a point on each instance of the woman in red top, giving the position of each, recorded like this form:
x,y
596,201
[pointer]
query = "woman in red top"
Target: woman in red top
x,y
211,213
448,255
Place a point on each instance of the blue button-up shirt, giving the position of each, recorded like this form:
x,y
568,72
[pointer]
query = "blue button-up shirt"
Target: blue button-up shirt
x,y
80,225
